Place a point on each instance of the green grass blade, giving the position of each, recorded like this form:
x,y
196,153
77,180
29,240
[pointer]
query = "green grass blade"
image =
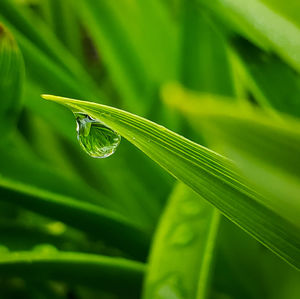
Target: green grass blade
x,y
76,268
97,221
266,150
186,232
206,172
11,81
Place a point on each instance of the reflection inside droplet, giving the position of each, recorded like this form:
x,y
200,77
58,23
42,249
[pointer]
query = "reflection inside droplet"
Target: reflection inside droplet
x,y
182,235
97,140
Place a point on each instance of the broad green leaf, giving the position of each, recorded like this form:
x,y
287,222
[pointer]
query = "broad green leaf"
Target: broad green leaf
x,y
267,27
105,224
266,150
211,175
90,270
186,232
11,82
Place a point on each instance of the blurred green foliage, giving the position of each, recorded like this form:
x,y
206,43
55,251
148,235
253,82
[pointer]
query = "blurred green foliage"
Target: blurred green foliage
x,y
122,227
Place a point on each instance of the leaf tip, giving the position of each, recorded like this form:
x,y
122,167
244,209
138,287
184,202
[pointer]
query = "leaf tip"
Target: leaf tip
x,y
53,98
46,96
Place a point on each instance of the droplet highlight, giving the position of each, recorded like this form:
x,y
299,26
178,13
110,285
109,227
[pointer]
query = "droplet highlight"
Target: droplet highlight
x,y
95,138
190,208
182,235
169,287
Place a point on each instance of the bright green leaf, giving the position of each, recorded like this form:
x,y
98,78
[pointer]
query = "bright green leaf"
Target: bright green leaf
x,y
206,172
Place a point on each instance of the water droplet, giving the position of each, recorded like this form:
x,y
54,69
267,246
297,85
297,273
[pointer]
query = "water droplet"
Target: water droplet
x,y
97,140
56,228
169,287
182,235
45,249
190,208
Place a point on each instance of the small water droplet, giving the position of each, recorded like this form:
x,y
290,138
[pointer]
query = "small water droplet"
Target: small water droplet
x,y
56,228
169,287
190,208
182,235
45,249
97,140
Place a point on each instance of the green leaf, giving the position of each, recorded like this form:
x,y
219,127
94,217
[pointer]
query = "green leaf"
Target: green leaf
x,y
105,224
76,268
11,82
186,232
206,172
267,150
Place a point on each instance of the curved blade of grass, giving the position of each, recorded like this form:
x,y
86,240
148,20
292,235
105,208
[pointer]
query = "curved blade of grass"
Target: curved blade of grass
x,y
186,232
266,150
107,225
11,81
206,172
76,268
